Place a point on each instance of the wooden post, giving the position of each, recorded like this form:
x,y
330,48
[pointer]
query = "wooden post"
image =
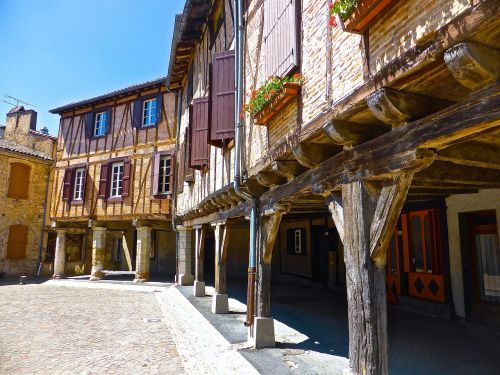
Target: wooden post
x,y
199,284
220,299
143,254
366,216
268,227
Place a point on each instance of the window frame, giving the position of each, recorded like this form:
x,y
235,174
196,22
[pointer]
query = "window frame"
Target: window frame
x,y
112,179
165,179
150,116
81,185
291,241
100,124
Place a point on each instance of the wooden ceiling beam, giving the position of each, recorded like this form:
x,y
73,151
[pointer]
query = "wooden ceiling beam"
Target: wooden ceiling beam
x,y
288,168
311,155
473,65
474,154
443,171
269,179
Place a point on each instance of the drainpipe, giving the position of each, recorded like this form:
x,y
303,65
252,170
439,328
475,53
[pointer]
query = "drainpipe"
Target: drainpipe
x,y
238,31
178,97
40,248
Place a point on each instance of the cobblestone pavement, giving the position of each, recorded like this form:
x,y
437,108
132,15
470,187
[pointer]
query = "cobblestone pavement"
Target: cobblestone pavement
x,y
54,330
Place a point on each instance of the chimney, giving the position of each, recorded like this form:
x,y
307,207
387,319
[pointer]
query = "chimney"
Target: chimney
x,y
19,122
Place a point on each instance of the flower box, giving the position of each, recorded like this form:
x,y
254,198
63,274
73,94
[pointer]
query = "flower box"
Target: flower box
x,y
363,14
289,91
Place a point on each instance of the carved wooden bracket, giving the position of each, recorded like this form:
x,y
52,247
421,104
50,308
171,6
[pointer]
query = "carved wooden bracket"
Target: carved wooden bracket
x,y
269,179
473,65
346,133
288,168
396,108
311,155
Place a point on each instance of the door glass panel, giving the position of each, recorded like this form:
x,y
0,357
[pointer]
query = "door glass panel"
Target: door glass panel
x,y
488,266
415,241
428,244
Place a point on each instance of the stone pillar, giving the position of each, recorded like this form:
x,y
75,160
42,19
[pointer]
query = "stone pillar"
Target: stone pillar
x,y
184,249
199,283
143,250
262,335
60,255
98,253
220,303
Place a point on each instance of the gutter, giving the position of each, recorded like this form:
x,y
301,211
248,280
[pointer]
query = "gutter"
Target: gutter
x,y
238,31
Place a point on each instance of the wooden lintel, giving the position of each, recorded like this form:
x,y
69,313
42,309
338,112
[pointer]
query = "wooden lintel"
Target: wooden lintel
x,y
397,108
474,154
311,155
288,168
269,179
473,65
344,133
443,171
422,191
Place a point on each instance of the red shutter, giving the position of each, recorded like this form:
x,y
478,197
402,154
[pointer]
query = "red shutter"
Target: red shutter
x,y
68,182
155,173
280,37
103,181
222,92
126,178
199,133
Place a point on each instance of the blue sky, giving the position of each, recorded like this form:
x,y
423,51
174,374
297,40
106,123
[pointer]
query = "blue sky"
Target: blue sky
x,y
55,52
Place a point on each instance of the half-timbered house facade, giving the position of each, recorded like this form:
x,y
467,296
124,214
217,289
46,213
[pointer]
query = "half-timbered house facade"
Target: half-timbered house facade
x,y
373,167
113,184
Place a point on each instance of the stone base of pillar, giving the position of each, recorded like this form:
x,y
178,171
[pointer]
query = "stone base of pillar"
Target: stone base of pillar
x,y
263,333
347,371
58,276
186,279
139,279
220,304
199,289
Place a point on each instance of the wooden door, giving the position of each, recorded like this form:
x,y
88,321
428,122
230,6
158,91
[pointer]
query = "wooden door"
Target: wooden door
x,y
422,255
392,270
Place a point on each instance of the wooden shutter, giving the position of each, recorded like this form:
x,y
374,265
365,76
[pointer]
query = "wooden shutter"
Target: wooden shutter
x,y
89,124
199,133
137,113
19,181
103,181
155,173
171,180
188,172
84,183
280,37
182,164
159,108
18,239
126,178
222,96
109,113
68,184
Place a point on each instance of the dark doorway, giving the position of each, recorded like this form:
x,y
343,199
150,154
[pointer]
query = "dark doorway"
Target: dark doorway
x,y
323,241
209,260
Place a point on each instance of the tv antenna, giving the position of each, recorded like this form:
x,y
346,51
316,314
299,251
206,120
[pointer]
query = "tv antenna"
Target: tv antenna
x,y
17,100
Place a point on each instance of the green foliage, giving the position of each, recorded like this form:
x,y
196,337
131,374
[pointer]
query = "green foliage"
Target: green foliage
x,y
267,92
343,8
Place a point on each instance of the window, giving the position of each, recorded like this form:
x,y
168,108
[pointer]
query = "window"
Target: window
x,y
116,180
19,181
100,124
79,184
164,176
18,239
116,253
296,241
149,112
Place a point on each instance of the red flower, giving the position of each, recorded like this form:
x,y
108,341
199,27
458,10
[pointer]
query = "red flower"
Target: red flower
x,y
272,92
242,114
297,76
253,93
330,5
333,21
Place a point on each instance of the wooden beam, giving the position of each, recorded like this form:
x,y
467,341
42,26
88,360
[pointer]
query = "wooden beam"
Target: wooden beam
x,y
269,179
443,171
397,108
474,154
221,243
254,188
344,133
311,155
436,191
334,202
473,65
476,116
288,168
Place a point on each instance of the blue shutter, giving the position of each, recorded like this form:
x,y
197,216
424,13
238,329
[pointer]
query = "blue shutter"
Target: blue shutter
x,y
159,107
89,124
137,114
109,113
